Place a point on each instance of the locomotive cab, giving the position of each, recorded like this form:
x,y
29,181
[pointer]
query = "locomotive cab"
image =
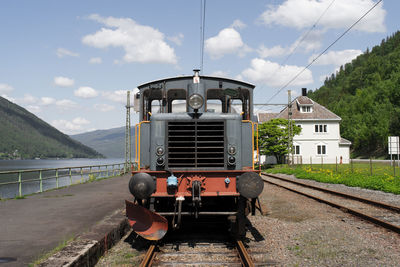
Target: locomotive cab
x,y
194,147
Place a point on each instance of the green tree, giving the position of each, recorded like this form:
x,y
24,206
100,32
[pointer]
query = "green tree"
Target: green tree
x,y
273,138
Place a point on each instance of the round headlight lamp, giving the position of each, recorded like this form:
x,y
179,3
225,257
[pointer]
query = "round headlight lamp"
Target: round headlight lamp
x,y
196,101
159,151
160,161
232,150
231,160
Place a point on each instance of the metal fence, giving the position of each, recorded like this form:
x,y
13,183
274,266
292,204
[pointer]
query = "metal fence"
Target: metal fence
x,y
362,166
24,182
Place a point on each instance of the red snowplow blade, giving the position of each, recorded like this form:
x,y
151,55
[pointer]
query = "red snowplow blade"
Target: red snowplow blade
x,y
146,223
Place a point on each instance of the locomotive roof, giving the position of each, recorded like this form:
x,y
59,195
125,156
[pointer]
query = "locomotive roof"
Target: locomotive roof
x,y
189,79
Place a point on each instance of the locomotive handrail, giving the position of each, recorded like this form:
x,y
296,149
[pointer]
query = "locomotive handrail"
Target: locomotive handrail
x,y
138,157
252,139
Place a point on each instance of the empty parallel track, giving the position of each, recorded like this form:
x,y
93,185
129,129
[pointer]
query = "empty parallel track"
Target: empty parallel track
x,y
379,213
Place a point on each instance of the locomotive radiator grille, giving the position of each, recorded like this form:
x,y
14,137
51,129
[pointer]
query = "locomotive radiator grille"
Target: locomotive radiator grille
x,y
196,144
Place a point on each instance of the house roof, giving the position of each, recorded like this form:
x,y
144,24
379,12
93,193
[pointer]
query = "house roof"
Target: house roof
x,y
303,100
263,117
319,112
344,142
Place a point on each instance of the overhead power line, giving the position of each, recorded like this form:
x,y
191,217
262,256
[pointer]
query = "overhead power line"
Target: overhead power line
x,y
302,39
323,52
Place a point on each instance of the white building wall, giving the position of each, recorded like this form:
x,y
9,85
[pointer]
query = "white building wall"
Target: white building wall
x,y
309,140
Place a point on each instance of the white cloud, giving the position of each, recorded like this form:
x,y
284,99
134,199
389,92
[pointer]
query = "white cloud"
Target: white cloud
x,y
336,58
66,126
62,52
95,60
104,107
33,108
272,74
46,101
116,96
5,88
228,41
86,92
80,121
238,24
66,104
275,51
63,81
303,44
343,13
177,39
28,99
141,43
9,98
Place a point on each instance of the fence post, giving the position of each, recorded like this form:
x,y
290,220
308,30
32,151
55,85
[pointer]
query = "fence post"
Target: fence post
x,y
311,162
322,162
370,165
41,181
70,176
81,174
351,165
90,172
57,178
20,183
336,164
394,167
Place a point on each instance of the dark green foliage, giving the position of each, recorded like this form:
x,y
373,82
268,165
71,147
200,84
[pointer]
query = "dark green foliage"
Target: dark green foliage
x,y
366,95
23,135
273,137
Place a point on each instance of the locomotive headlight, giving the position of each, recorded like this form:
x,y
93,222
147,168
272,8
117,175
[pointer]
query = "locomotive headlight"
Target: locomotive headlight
x,y
232,150
160,161
196,101
231,160
160,151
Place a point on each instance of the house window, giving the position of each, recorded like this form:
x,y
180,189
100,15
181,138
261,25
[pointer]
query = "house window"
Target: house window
x,y
321,128
306,109
296,150
321,149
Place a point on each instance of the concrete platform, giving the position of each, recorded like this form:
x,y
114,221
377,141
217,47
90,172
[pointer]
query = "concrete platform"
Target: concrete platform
x,y
32,226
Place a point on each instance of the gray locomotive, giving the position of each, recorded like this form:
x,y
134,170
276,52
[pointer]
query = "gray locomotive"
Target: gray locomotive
x,y
195,145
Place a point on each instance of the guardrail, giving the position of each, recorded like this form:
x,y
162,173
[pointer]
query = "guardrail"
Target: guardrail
x,y
24,182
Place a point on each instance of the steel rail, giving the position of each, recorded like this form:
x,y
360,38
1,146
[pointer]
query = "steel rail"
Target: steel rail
x,y
365,200
357,213
149,256
243,254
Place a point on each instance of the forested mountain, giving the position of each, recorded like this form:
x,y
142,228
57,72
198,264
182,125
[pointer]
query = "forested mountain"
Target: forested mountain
x,y
23,135
110,143
366,94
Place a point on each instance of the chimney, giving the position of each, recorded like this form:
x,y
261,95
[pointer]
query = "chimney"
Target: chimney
x,y
304,91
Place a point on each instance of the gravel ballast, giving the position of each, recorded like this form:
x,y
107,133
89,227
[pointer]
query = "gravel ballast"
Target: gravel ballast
x,y
298,231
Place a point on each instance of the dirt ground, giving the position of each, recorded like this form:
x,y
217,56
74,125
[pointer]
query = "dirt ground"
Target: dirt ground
x,y
296,231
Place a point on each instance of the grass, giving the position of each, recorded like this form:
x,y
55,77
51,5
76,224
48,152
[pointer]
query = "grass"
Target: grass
x,y
46,255
355,175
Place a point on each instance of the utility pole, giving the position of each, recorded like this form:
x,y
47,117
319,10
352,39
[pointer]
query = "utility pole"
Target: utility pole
x,y
290,125
128,146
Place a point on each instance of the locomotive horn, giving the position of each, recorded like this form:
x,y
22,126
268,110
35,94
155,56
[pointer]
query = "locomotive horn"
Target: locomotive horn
x,y
146,223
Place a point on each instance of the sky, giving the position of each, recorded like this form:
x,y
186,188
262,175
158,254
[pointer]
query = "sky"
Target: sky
x,y
71,62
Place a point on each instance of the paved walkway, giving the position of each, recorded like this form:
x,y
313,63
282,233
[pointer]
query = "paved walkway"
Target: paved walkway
x,y
29,227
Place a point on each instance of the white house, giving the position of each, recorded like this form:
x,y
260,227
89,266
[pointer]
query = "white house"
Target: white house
x,y
319,140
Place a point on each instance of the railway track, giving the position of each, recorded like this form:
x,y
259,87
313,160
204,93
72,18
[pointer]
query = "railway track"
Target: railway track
x,y
200,255
379,213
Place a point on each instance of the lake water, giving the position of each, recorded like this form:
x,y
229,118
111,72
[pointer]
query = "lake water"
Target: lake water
x,y
7,165
9,186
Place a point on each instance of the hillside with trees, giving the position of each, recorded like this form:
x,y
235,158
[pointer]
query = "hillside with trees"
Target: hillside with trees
x,y
366,95
25,136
